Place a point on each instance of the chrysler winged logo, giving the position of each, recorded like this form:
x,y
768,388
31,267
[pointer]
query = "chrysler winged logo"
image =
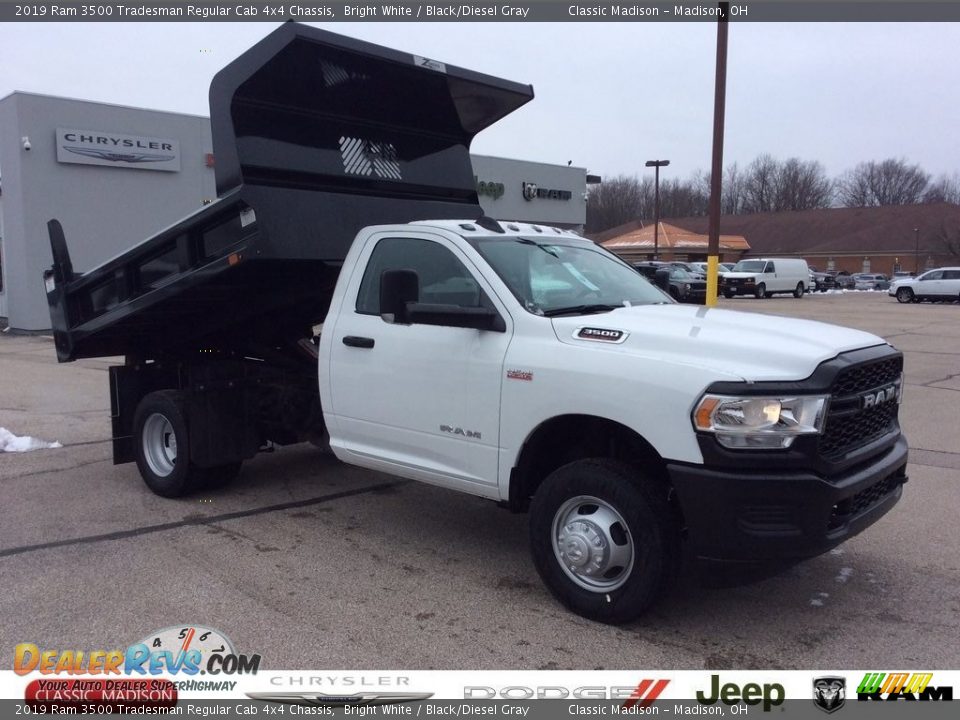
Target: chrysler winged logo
x,y
114,156
829,693
321,699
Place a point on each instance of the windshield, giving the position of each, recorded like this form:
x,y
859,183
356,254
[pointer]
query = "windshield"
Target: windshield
x,y
551,278
749,266
679,273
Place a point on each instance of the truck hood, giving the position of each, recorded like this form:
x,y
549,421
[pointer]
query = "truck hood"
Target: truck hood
x,y
740,275
749,346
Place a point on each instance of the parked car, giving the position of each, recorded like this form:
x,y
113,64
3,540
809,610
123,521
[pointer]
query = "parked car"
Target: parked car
x,y
844,280
764,277
682,285
691,268
942,284
871,281
823,282
702,268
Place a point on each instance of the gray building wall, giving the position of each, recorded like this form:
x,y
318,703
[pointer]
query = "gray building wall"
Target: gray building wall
x,y
106,210
103,210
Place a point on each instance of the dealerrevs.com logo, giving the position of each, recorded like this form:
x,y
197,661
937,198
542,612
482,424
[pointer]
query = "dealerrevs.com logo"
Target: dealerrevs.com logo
x,y
186,650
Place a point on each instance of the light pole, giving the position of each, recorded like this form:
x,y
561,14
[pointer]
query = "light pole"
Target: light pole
x,y
656,164
916,252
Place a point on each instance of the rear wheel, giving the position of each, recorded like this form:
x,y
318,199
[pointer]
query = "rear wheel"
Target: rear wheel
x,y
799,290
604,539
163,448
761,291
904,295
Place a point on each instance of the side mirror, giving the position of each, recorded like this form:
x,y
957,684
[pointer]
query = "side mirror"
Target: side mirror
x,y
397,288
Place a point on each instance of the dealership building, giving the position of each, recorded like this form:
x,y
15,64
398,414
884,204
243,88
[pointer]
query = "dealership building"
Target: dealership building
x,y
115,175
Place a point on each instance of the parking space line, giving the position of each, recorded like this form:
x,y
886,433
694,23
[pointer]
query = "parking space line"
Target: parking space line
x,y
201,520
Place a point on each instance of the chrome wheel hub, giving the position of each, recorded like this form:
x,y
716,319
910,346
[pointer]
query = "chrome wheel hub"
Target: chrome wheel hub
x,y
159,445
592,543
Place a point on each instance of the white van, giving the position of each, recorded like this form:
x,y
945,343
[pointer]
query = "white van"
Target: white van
x,y
762,277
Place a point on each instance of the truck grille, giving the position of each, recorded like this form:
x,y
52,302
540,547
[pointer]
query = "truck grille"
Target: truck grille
x,y
849,426
861,378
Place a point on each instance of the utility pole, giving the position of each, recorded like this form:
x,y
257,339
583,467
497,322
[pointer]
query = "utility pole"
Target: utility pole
x,y
716,172
656,164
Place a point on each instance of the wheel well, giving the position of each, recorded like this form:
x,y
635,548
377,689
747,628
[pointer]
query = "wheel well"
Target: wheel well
x,y
562,440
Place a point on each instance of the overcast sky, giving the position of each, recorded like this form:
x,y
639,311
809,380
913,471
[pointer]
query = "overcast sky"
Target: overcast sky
x,y
608,95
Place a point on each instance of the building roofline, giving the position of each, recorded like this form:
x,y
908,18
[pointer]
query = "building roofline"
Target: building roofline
x,y
47,96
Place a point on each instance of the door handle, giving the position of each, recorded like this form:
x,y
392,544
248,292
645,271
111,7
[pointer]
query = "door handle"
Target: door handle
x,y
357,342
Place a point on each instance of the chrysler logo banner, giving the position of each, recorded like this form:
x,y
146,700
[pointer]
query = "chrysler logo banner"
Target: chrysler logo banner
x,y
96,147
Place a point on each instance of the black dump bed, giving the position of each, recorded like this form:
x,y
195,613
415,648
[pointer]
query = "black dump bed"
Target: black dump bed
x,y
315,136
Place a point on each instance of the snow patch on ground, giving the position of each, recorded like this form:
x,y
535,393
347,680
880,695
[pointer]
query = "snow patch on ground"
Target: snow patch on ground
x,y
844,575
13,443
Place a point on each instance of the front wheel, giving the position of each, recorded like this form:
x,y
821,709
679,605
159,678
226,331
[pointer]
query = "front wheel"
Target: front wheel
x,y
761,291
604,539
798,291
728,294
904,295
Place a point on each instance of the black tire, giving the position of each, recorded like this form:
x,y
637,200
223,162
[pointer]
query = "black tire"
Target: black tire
x,y
904,295
728,294
651,534
164,464
674,293
799,290
761,291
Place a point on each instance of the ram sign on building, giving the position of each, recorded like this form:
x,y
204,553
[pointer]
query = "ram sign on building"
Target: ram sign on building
x,y
115,175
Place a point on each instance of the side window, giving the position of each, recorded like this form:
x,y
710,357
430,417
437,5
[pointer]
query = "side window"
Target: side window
x,y
938,275
770,268
443,278
951,274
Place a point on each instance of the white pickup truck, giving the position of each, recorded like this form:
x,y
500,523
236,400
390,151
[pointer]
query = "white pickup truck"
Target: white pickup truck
x,y
517,362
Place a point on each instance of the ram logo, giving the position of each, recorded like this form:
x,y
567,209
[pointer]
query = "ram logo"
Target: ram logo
x,y
880,397
460,431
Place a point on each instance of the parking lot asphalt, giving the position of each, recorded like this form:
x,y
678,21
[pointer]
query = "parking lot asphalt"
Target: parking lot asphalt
x,y
318,565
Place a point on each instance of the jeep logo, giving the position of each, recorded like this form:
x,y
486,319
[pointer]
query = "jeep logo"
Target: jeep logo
x,y
769,695
875,399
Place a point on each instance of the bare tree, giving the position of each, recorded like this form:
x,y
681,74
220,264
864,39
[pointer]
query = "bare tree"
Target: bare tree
x,y
800,185
732,196
889,182
759,184
944,189
683,198
618,201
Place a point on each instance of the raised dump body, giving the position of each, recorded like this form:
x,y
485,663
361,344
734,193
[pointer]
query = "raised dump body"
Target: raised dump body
x,y
315,136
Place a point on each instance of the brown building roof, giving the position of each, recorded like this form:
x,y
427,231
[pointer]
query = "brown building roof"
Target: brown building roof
x,y
839,231
670,237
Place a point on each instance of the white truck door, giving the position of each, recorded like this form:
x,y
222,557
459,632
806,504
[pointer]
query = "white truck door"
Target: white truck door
x,y
421,401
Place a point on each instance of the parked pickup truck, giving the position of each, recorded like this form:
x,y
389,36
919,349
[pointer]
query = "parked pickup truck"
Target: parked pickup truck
x,y
516,362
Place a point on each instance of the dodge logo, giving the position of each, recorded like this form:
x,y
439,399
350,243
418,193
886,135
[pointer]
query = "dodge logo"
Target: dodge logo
x,y
875,398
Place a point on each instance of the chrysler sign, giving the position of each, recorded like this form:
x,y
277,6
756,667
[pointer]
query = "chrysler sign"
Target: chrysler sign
x,y
95,147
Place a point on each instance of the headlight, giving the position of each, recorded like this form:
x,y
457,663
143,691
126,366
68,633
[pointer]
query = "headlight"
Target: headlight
x,y
760,423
